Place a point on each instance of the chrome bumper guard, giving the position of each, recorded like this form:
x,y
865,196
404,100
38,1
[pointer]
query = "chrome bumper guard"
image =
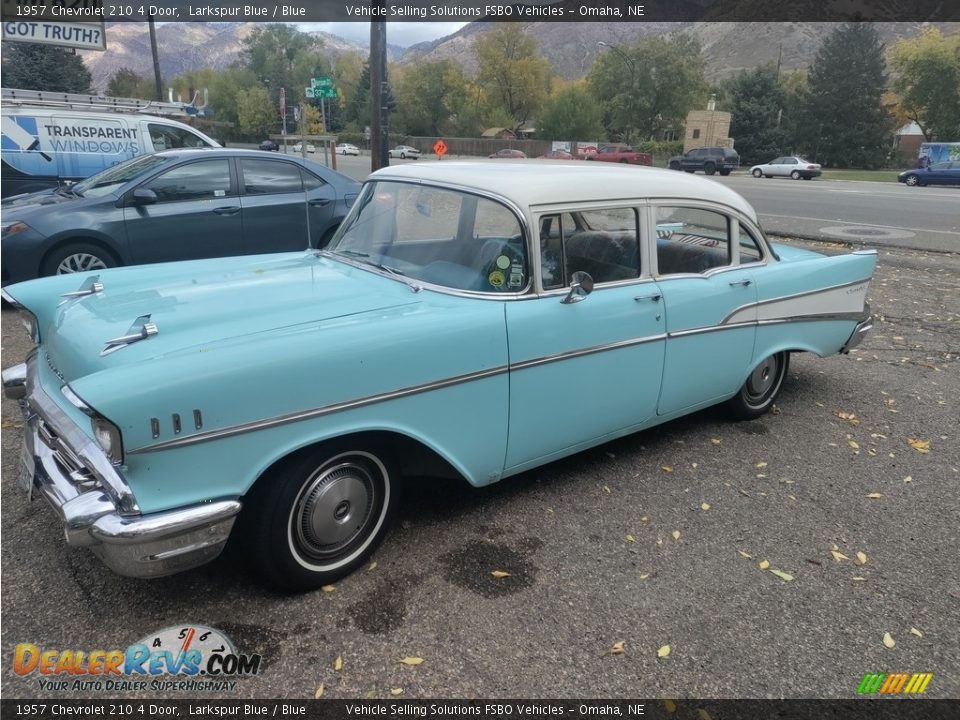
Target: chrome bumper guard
x,y
859,332
93,500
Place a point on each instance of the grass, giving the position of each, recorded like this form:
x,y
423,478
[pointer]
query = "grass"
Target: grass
x,y
868,175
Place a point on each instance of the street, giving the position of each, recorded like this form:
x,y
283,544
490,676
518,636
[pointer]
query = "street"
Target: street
x,y
847,489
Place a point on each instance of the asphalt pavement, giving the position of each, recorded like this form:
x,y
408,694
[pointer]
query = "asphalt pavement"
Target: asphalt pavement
x,y
848,489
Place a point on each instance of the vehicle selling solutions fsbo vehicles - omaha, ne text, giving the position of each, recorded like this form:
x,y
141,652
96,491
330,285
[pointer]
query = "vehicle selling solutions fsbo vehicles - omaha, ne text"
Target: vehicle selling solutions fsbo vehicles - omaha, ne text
x,y
292,393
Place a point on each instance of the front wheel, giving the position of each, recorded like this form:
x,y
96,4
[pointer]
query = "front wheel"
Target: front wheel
x,y
674,165
75,258
912,180
795,174
709,168
757,173
322,514
761,388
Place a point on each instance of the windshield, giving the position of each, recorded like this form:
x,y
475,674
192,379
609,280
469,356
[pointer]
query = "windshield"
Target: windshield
x,y
440,236
107,180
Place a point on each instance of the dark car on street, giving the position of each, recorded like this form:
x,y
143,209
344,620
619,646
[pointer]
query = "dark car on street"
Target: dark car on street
x,y
269,145
710,160
174,205
508,153
941,173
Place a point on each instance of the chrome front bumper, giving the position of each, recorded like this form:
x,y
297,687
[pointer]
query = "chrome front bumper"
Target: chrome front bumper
x,y
95,504
859,332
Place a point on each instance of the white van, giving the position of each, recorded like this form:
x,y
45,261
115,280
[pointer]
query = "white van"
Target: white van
x,y
44,147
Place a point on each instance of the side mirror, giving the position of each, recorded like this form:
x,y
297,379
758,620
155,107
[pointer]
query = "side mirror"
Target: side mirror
x,y
143,196
581,285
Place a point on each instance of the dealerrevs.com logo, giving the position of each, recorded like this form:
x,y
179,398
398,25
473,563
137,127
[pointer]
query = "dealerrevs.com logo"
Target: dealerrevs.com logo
x,y
187,658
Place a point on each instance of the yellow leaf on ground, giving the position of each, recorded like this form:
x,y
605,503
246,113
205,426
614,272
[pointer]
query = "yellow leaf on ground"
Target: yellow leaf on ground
x,y
921,446
715,441
664,651
782,575
854,444
500,574
874,496
630,538
761,465
666,468
849,417
705,506
703,714
764,564
396,691
328,588
644,576
908,479
670,706
319,693
617,648
888,640
676,534
748,556
859,579
914,631
372,566
861,558
659,541
338,664
644,519
606,489
838,556
412,660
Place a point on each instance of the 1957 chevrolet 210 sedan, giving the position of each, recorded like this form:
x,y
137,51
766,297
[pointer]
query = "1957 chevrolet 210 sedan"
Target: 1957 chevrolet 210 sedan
x,y
458,317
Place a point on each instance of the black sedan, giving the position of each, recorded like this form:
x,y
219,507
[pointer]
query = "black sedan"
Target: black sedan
x,y
174,205
941,173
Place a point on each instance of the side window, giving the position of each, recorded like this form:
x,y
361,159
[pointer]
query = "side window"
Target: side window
x,y
602,243
204,180
167,137
311,181
269,177
749,247
691,240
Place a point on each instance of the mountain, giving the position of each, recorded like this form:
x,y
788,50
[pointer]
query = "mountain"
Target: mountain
x,y
570,47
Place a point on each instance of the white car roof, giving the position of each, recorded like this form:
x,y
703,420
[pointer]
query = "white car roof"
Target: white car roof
x,y
530,182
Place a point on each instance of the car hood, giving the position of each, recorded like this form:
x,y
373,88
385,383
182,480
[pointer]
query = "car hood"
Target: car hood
x,y
195,305
32,201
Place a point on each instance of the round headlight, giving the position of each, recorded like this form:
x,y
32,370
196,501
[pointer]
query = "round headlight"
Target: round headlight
x,y
108,437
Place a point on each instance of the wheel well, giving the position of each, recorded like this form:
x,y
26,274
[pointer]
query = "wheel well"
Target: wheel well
x,y
413,458
76,241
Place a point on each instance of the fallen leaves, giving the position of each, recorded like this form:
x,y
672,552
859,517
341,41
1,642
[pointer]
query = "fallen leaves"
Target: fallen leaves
x,y
630,538
764,564
618,648
847,416
746,555
705,506
854,444
328,588
715,441
838,556
396,691
786,577
666,468
861,558
874,495
921,446
500,574
914,631
888,640
338,663
412,661
319,693
676,534
664,651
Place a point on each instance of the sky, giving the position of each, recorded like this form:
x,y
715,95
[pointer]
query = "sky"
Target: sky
x,y
403,34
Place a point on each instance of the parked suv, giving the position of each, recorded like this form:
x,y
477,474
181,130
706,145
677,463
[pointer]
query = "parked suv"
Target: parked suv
x,y
708,159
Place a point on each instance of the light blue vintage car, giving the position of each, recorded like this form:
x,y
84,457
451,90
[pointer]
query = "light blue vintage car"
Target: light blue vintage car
x,y
459,316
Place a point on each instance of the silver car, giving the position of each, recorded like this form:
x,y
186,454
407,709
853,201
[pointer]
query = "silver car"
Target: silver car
x,y
789,166
404,151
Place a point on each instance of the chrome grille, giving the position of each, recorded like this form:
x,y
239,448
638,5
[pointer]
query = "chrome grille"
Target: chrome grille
x,y
66,458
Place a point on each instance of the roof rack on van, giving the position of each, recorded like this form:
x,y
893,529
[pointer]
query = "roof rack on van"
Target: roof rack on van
x,y
99,103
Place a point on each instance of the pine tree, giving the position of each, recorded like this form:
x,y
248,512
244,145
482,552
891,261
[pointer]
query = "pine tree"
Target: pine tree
x,y
757,105
844,121
31,66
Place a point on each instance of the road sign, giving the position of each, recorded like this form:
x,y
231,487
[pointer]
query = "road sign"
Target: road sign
x,y
309,92
440,148
321,82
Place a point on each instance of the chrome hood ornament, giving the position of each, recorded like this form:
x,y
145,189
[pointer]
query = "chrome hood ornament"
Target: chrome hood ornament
x,y
90,286
141,329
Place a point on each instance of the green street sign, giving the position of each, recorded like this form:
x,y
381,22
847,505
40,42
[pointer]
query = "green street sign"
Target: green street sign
x,y
321,82
327,93
309,92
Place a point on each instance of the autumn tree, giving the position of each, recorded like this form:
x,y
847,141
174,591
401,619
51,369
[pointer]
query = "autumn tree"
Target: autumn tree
x,y
31,66
256,114
926,81
429,95
515,77
126,83
648,87
843,122
570,114
281,56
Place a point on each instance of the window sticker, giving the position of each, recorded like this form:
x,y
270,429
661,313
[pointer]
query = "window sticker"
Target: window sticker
x,y
496,279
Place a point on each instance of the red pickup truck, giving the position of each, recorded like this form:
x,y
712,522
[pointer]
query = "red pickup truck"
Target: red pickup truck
x,y
620,153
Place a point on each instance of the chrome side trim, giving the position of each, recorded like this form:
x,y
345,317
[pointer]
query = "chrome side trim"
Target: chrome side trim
x,y
850,317
710,329
570,354
10,299
781,298
76,401
317,412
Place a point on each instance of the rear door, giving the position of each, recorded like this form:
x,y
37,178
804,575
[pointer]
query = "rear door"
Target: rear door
x,y
282,212
196,215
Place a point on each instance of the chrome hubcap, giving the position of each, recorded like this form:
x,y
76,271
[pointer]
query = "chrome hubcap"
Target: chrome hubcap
x,y
80,262
762,379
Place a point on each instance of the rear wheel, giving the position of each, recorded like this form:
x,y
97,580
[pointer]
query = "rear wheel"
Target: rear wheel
x,y
761,388
77,257
757,173
321,514
709,168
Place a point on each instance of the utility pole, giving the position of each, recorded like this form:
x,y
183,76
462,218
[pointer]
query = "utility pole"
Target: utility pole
x,y
379,122
156,58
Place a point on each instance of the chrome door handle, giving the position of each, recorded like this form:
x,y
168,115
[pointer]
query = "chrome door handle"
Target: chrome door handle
x,y
655,297
744,282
